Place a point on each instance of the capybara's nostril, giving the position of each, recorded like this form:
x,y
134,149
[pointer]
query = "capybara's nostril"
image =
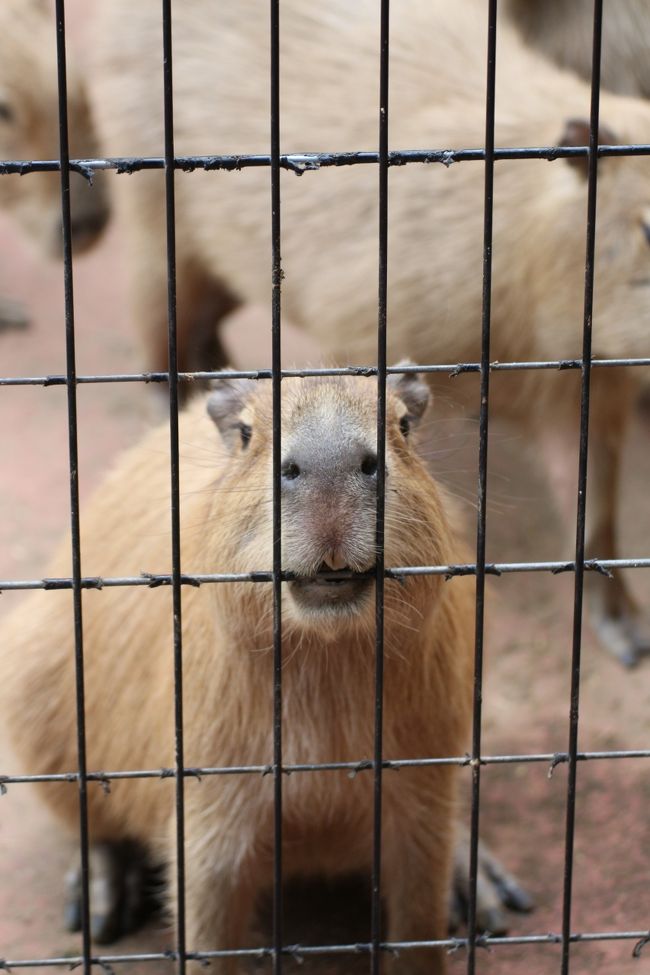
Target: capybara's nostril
x,y
369,465
290,470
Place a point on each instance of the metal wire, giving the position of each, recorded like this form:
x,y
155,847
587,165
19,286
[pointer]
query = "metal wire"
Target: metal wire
x,y
451,369
352,768
299,952
153,579
276,364
582,485
301,162
174,469
74,481
481,521
382,296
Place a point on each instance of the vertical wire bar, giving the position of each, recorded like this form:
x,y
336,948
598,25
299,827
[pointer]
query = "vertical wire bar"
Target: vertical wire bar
x,y
170,212
276,367
375,956
71,379
482,479
574,708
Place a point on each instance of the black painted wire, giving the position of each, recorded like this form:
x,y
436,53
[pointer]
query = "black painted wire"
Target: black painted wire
x,y
574,709
170,213
302,162
276,367
382,294
73,449
481,526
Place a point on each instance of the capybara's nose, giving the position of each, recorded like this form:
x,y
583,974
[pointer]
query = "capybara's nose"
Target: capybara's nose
x,y
355,460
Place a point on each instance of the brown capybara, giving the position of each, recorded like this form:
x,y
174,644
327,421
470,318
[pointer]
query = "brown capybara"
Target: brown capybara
x,y
328,515
563,30
329,219
29,129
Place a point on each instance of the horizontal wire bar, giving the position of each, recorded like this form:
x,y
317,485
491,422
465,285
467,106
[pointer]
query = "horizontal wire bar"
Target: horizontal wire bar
x,y
300,162
153,580
355,948
352,768
451,368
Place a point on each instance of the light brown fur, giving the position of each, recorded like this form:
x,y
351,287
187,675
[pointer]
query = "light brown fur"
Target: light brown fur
x,y
329,219
29,129
329,225
563,30
227,670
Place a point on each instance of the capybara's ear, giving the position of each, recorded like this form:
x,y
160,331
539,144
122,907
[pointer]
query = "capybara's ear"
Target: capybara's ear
x,y
225,403
411,389
576,133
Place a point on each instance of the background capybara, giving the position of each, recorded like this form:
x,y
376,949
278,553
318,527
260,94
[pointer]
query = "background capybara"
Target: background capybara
x,y
435,237
563,30
29,129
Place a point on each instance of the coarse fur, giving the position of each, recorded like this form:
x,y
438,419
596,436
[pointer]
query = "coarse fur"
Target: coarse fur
x,y
563,30
328,670
329,66
29,130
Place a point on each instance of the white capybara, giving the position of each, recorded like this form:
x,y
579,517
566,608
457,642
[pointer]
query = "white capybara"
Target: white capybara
x,y
329,101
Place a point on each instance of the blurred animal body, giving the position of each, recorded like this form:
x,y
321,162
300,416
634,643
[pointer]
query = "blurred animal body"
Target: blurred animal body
x,y
29,130
329,219
563,30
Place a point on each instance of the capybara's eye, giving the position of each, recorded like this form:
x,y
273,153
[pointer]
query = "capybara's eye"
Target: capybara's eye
x,y
646,230
290,471
405,425
6,113
369,465
246,432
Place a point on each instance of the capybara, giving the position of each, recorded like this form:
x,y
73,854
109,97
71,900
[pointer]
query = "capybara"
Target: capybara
x,y
563,30
29,130
329,59
329,466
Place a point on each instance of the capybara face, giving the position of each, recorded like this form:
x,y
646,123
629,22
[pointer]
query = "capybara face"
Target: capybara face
x,y
328,489
29,129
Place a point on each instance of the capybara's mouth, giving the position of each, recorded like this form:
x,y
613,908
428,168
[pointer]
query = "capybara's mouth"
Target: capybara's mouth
x,y
330,589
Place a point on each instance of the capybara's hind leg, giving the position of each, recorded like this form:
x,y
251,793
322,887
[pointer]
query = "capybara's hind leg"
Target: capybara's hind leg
x,y
615,614
496,889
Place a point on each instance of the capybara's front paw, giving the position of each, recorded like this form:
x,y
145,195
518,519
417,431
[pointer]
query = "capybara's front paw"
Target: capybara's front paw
x,y
122,889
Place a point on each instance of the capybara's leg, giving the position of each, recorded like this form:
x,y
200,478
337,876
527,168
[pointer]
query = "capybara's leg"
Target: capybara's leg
x,y
222,877
416,878
615,614
12,315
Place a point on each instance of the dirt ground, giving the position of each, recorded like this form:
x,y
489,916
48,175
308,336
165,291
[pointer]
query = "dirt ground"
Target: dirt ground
x,y
527,672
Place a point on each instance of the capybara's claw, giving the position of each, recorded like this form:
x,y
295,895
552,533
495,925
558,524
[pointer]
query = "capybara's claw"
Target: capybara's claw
x,y
496,890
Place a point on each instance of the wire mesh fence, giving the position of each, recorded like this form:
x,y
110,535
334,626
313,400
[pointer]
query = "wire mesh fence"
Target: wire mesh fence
x,y
376,947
